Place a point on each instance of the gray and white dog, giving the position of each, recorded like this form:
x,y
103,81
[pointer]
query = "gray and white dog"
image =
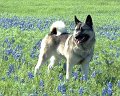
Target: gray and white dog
x,y
76,48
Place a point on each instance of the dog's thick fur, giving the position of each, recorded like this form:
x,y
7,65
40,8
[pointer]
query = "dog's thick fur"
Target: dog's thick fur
x,y
76,48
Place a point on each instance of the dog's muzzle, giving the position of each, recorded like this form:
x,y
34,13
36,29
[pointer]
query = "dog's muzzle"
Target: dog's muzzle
x,y
81,38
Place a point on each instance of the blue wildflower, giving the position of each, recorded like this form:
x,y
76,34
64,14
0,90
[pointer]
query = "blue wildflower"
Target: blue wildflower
x,y
16,78
104,92
38,44
30,75
3,78
6,40
11,68
8,51
84,78
75,75
60,76
109,85
80,91
17,56
109,92
59,88
109,89
62,88
93,74
8,73
13,40
41,83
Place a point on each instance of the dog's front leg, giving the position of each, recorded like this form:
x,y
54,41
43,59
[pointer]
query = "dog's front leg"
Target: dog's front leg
x,y
68,69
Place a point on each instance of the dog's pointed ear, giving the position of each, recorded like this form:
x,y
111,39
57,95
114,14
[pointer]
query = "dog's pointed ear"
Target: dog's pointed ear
x,y
89,21
54,31
76,20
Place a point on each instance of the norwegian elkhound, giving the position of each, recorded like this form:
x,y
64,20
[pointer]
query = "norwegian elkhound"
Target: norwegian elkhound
x,y
76,48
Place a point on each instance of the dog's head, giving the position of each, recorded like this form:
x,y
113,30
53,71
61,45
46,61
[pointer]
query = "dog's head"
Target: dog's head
x,y
83,31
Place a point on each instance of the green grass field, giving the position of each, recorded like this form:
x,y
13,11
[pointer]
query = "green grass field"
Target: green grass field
x,y
23,24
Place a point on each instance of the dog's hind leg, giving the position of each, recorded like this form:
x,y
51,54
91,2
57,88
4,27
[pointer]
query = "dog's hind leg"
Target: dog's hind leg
x,y
41,60
85,70
43,57
53,61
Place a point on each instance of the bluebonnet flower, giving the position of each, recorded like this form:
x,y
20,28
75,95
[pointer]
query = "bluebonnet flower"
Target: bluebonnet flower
x,y
32,55
29,26
11,68
84,78
75,75
59,88
81,91
8,73
3,78
38,44
107,90
17,56
93,74
22,25
39,25
6,40
61,76
30,75
9,45
109,85
16,78
41,83
13,40
104,92
33,52
8,51
62,88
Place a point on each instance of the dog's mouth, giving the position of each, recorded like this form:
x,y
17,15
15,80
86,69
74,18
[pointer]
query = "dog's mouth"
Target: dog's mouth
x,y
81,38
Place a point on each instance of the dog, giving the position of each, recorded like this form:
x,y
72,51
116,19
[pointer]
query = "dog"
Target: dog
x,y
76,48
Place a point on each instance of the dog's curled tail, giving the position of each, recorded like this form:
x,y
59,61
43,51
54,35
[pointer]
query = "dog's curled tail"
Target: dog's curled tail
x,y
58,28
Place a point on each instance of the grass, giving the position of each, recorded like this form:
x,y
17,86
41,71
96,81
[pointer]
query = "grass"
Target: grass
x,y
22,26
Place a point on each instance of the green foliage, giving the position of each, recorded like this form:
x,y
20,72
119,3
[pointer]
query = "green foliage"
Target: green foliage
x,y
22,26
